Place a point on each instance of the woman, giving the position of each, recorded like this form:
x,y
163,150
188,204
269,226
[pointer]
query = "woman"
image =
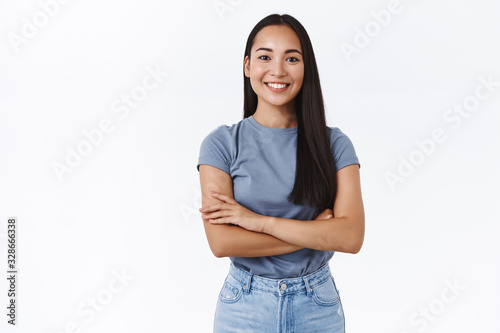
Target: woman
x,y
280,192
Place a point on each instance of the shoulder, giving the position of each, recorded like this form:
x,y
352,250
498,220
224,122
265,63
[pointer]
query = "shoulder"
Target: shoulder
x,y
337,134
342,148
338,138
218,138
220,131
224,131
218,148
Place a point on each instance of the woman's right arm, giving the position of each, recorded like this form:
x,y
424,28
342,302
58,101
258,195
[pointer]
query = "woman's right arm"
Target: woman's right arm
x,y
232,240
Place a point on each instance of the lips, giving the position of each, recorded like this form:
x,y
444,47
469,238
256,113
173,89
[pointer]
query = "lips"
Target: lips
x,y
277,86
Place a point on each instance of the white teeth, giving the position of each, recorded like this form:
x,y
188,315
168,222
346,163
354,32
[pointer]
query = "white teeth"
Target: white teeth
x,y
276,85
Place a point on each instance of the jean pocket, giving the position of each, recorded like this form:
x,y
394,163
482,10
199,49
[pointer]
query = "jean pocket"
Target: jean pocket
x,y
326,293
231,292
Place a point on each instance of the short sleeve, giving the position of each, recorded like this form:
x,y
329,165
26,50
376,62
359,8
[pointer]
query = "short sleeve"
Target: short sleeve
x,y
215,149
342,148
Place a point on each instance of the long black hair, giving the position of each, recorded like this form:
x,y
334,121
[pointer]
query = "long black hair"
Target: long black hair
x,y
315,182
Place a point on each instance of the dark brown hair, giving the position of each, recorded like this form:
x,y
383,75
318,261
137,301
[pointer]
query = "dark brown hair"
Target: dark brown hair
x,y
315,179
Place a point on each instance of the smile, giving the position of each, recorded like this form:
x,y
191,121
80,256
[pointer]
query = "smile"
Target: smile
x,y
277,86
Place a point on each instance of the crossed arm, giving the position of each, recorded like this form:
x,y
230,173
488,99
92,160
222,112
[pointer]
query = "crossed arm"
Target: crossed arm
x,y
342,233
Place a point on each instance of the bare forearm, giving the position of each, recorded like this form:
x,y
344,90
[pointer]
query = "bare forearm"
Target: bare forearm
x,y
334,234
235,241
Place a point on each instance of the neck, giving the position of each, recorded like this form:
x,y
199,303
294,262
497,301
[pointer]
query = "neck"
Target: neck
x,y
276,116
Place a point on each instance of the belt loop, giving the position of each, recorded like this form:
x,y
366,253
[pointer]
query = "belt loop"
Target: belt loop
x,y
244,277
308,288
248,282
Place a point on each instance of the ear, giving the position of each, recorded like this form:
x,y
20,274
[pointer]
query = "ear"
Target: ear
x,y
246,65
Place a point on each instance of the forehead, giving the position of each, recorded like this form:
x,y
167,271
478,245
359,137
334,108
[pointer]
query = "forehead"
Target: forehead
x,y
278,38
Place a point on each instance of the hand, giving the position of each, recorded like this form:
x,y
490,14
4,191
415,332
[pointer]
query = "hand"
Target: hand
x,y
325,215
229,211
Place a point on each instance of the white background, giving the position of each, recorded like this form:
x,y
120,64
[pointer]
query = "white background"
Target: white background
x,y
130,206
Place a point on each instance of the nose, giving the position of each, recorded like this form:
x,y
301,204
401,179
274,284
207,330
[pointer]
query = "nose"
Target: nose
x,y
278,68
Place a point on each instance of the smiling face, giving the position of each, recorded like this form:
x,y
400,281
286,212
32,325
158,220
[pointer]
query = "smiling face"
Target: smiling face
x,y
275,67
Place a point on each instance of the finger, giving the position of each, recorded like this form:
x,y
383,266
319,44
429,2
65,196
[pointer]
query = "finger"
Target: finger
x,y
208,209
220,220
222,197
219,196
213,208
211,216
322,215
216,214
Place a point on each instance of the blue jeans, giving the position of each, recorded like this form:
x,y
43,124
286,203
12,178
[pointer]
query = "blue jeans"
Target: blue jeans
x,y
252,303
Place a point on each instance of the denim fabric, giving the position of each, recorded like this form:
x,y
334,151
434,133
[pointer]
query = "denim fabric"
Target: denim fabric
x,y
251,303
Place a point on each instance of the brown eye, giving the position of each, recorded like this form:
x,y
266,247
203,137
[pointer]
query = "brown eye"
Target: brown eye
x,y
264,56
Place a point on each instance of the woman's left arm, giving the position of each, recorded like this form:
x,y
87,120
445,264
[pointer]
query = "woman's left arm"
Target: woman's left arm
x,y
343,233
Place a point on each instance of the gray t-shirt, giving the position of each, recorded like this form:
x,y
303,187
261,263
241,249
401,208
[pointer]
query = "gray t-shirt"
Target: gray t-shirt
x,y
261,162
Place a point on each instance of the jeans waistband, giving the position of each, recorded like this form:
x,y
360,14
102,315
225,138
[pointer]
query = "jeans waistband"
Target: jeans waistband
x,y
281,286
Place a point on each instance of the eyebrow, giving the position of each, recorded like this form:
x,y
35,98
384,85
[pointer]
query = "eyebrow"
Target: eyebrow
x,y
271,50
